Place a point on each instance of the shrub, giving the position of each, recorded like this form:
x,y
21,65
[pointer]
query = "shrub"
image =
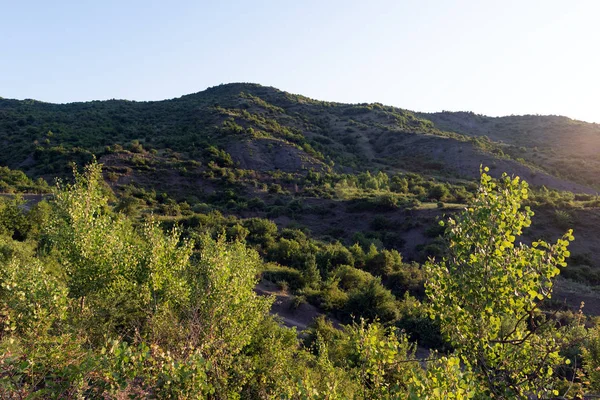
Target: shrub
x,y
409,278
330,297
384,262
563,219
261,231
351,278
371,302
485,292
275,188
439,192
279,273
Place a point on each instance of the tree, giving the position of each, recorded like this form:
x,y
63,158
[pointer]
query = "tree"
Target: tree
x,y
486,293
383,360
132,303
224,313
117,273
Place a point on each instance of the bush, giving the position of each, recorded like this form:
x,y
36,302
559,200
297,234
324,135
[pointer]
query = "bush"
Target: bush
x,y
563,219
237,232
384,262
438,192
261,230
256,204
298,301
414,320
330,298
275,188
278,273
371,302
351,278
386,202
409,278
332,256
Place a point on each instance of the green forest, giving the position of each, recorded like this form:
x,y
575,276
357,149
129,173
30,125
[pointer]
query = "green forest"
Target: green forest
x,y
245,242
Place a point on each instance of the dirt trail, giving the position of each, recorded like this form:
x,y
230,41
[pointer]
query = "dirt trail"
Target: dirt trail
x,y
300,317
31,199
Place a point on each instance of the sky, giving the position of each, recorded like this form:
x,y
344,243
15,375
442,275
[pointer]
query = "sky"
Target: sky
x,y
490,57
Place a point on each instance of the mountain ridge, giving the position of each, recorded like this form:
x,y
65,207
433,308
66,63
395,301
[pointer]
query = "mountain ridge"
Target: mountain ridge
x,y
258,85
351,136
354,173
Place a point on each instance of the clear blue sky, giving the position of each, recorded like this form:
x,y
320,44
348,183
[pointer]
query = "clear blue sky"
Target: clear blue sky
x,y
490,57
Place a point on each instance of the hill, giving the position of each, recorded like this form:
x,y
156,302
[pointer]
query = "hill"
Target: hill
x,y
156,269
354,173
560,145
266,129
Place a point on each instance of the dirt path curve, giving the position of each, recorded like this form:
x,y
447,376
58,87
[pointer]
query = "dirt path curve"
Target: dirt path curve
x,y
300,317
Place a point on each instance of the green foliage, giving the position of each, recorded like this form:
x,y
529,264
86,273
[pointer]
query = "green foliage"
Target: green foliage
x,y
33,297
278,273
591,359
373,301
409,278
438,192
13,222
563,219
98,301
114,271
486,293
383,263
15,181
262,231
380,358
102,278
332,256
444,379
224,311
352,278
109,307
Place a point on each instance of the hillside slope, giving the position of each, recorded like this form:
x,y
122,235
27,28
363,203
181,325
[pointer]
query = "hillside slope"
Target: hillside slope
x,y
265,129
350,173
562,146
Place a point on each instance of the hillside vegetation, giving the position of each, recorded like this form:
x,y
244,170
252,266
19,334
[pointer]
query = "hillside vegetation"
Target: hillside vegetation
x,y
135,278
328,168
560,145
264,129
96,305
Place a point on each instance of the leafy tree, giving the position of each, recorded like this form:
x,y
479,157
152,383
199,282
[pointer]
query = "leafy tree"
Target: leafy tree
x,y
399,184
373,301
13,221
591,357
381,358
32,295
384,262
444,379
116,272
225,312
332,256
486,293
310,272
105,306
